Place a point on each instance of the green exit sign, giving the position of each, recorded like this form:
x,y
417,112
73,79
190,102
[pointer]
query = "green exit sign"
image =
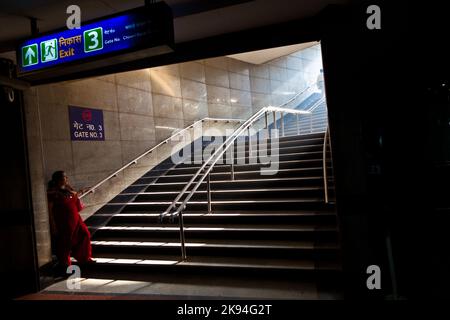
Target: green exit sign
x,y
49,50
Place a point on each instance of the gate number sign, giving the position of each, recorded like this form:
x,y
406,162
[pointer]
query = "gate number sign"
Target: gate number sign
x,y
86,124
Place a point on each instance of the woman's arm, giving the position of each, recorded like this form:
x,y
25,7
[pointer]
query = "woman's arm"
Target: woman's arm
x,y
79,192
83,191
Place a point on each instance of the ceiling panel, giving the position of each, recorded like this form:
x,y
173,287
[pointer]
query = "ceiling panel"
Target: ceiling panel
x,y
263,56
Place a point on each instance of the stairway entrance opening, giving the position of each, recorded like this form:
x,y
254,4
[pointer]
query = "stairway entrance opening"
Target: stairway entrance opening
x,y
165,206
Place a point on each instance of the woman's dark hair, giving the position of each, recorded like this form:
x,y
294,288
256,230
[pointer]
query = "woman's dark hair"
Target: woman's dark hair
x,y
57,176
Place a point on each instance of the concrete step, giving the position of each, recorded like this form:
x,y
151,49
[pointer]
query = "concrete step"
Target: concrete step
x,y
244,272
184,169
238,204
232,194
228,184
256,218
213,247
249,163
242,175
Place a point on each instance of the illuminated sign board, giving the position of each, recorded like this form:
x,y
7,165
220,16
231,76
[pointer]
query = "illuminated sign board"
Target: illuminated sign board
x,y
130,35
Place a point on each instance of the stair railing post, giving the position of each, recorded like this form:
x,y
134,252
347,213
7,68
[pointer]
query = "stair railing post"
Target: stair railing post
x,y
282,124
183,241
208,186
233,153
232,171
324,163
249,143
274,120
266,116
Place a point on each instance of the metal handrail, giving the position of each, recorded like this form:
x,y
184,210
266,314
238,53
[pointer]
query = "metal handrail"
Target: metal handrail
x,y
212,160
324,163
204,165
134,161
259,113
299,94
317,104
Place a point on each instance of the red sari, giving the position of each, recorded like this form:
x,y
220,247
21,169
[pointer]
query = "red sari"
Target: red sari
x,y
73,237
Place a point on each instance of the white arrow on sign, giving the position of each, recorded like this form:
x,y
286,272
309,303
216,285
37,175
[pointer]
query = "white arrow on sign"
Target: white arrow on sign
x,y
29,55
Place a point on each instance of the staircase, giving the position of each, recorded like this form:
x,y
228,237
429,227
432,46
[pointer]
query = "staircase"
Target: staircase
x,y
266,231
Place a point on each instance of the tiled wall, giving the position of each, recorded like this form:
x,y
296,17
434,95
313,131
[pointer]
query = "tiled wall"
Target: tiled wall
x,y
143,107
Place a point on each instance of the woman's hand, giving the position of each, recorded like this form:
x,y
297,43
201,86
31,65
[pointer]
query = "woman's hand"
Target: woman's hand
x,y
83,191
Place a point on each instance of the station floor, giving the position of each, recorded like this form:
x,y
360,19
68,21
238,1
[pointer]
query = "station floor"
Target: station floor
x,y
109,289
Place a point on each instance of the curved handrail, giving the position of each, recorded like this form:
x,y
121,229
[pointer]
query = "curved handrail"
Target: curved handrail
x,y
272,109
314,106
298,94
232,137
212,160
134,161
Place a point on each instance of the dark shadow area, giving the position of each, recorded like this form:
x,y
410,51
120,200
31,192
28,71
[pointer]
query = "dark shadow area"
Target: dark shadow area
x,y
388,108
18,264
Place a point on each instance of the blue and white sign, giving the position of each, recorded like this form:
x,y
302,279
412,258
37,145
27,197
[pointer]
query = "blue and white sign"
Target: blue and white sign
x,y
123,33
86,124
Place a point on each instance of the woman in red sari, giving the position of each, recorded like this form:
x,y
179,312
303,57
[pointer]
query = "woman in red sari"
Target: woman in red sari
x,y
71,235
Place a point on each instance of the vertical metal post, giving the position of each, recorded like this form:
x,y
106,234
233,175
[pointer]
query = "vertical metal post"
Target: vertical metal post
x,y
298,126
324,163
232,158
330,147
282,124
274,120
249,144
183,242
232,171
208,186
267,119
391,266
